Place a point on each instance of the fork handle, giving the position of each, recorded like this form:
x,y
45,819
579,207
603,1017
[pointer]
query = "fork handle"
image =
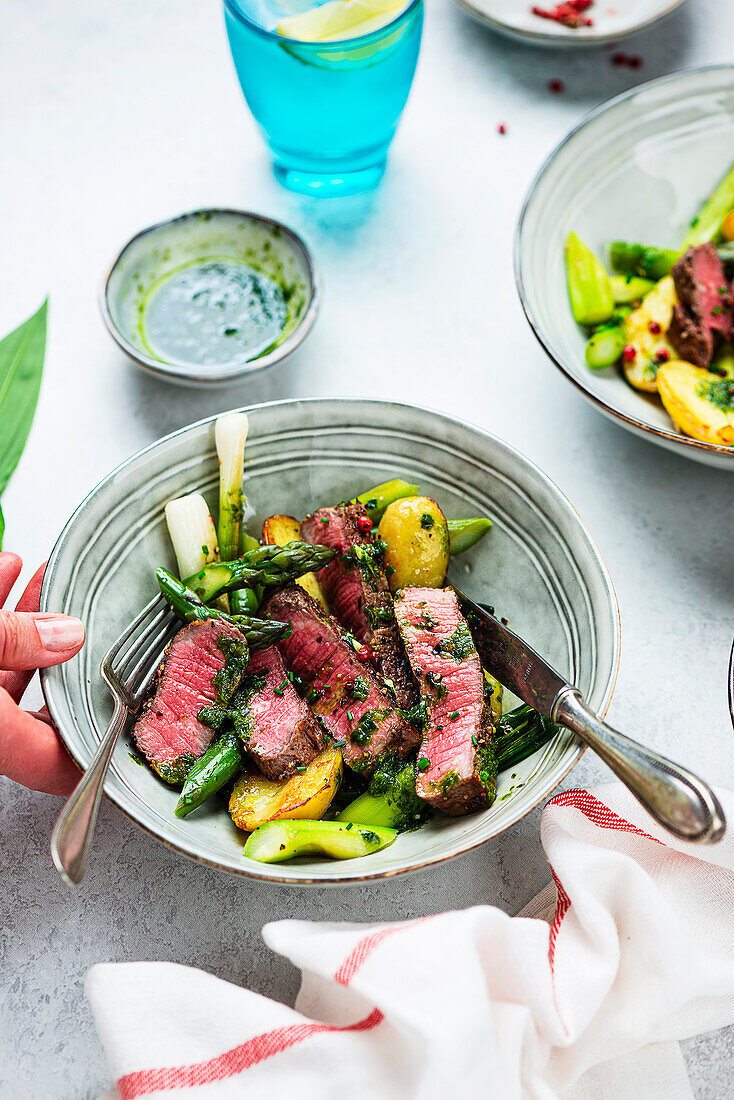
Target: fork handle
x,y
676,798
72,834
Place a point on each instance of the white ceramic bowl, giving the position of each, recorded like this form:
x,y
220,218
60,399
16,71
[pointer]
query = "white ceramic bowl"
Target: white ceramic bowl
x,y
636,169
538,566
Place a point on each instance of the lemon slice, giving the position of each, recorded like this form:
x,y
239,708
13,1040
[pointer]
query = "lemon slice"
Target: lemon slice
x,y
340,19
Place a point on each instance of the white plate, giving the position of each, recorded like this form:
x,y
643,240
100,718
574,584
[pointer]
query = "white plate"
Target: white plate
x,y
613,19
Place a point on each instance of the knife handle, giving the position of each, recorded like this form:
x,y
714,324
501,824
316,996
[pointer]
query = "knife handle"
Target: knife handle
x,y
676,798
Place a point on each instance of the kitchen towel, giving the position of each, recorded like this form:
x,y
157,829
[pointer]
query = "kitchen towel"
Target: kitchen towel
x,y
584,994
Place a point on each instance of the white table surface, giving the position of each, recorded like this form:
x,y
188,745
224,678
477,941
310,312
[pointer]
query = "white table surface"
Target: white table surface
x,y
113,116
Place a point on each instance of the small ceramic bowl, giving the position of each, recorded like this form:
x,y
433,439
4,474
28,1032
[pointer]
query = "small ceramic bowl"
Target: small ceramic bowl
x,y
610,21
209,237
636,169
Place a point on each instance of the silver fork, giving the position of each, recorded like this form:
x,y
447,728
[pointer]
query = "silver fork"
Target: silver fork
x,y
127,669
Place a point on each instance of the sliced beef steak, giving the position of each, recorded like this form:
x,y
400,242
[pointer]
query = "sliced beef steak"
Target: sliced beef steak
x,y
356,589
705,305
282,733
168,730
460,775
355,709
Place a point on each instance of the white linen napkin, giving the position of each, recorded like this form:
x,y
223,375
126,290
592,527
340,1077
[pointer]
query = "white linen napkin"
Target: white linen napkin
x,y
582,995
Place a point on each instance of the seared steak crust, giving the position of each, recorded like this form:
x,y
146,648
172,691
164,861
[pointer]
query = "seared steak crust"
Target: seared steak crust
x,y
356,589
456,768
353,706
284,734
168,730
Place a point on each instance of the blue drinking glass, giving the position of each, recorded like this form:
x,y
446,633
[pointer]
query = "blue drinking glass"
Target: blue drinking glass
x,y
328,110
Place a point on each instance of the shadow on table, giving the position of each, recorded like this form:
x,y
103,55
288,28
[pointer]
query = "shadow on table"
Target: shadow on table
x,y
588,74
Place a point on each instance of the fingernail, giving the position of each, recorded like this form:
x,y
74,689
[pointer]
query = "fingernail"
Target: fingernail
x,y
59,632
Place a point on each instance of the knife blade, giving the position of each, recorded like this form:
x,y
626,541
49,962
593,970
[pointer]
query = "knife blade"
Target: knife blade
x,y
512,660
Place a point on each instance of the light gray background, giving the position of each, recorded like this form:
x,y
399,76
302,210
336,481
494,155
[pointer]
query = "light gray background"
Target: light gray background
x,y
113,116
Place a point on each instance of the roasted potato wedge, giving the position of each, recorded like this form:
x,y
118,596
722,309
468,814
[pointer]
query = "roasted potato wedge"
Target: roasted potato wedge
x,y
416,534
695,401
656,308
277,531
308,794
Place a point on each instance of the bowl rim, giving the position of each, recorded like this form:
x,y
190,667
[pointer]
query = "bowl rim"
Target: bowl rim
x,y
335,46
570,37
730,691
670,437
214,375
576,747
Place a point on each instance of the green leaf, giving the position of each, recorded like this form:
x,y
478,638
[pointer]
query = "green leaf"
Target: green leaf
x,y
21,368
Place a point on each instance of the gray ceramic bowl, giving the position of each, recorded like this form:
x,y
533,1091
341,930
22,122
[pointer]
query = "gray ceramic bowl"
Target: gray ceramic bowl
x,y
635,169
611,21
209,235
538,566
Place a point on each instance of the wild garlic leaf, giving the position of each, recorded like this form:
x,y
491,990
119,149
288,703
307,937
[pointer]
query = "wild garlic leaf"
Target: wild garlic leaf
x,y
21,369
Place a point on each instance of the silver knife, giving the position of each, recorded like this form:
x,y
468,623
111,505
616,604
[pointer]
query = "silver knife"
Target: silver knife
x,y
675,797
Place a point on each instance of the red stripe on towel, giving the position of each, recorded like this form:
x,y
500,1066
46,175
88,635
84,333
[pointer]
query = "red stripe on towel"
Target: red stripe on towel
x,y
233,1061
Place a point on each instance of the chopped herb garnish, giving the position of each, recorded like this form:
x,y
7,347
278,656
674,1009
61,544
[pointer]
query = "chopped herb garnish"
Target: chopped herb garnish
x,y
474,740
423,763
454,715
339,744
324,519
427,521
301,768
716,310
349,825
371,503
350,716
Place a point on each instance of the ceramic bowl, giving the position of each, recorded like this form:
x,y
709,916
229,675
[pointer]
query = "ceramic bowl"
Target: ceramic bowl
x,y
538,566
635,169
611,21
154,253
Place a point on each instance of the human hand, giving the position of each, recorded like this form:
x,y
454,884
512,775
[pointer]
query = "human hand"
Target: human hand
x,y
30,750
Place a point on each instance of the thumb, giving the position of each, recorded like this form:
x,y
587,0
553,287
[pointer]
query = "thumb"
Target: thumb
x,y
33,640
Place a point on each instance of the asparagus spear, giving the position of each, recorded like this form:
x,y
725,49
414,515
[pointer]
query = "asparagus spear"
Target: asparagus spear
x,y
604,347
465,533
706,226
646,261
629,287
520,733
276,841
267,565
376,500
245,601
390,799
260,633
220,763
589,289
230,433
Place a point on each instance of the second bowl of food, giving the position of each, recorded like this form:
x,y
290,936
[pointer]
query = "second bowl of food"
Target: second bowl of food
x,y
624,264
382,498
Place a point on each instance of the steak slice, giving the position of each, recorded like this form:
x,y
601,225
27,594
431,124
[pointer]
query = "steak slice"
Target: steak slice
x,y
168,731
281,732
352,705
456,768
705,304
356,589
